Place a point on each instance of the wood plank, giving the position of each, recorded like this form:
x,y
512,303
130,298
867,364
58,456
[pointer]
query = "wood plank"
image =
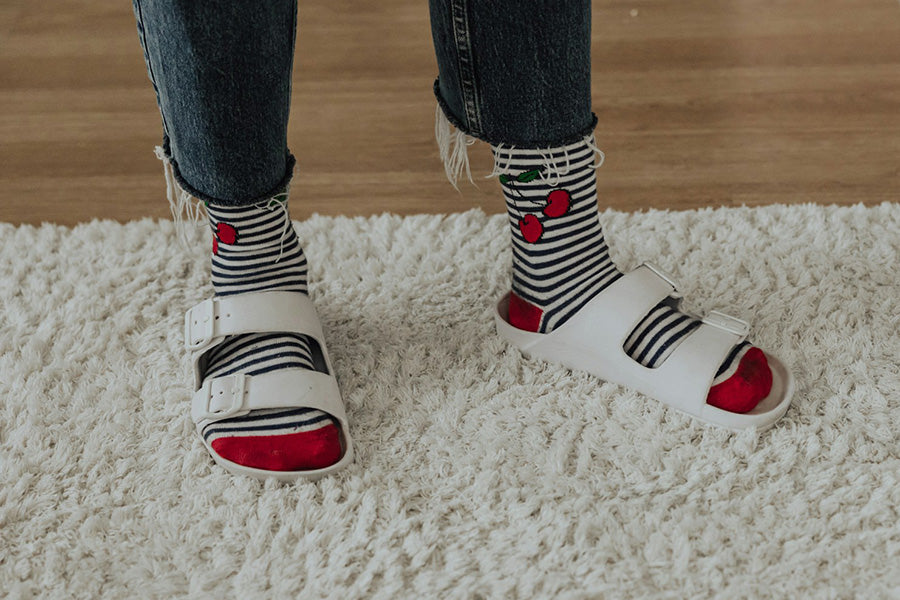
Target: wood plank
x,y
701,103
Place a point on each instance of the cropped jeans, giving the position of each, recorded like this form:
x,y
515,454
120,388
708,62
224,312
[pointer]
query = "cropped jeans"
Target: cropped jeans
x,y
513,72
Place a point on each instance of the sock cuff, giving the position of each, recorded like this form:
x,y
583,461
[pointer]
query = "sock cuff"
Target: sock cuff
x,y
547,161
512,150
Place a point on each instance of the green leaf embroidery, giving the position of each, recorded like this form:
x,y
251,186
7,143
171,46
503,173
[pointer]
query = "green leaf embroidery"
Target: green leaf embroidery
x,y
528,176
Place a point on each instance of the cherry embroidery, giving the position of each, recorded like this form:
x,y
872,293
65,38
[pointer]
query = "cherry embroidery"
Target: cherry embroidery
x,y
531,228
226,233
557,203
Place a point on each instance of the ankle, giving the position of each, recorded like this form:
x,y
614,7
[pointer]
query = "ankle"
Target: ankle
x,y
255,249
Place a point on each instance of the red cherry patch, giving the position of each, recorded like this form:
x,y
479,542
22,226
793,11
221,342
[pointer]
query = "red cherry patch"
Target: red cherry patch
x,y
215,245
531,228
226,233
557,203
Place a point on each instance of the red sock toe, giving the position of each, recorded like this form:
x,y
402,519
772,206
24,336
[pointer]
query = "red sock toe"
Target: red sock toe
x,y
301,451
745,389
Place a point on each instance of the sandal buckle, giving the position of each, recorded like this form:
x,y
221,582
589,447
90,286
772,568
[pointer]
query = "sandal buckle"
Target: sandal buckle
x,y
230,389
727,323
664,276
200,324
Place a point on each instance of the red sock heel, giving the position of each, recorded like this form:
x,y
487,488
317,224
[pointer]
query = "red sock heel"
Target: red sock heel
x,y
523,314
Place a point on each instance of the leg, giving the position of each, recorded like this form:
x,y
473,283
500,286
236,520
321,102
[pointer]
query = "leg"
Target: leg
x,y
222,74
517,75
223,84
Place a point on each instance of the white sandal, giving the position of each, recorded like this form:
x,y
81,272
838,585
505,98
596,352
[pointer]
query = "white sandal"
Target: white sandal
x,y
207,324
593,340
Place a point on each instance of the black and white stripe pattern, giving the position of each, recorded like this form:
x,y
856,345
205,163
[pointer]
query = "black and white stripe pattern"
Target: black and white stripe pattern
x,y
260,252
729,367
266,254
569,264
658,334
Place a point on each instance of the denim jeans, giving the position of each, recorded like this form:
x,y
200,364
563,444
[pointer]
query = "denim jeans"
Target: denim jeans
x,y
515,71
509,71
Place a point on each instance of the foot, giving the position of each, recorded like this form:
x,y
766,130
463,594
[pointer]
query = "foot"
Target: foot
x,y
561,262
255,249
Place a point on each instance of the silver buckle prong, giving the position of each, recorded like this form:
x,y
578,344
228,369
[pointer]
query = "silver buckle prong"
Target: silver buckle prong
x,y
727,323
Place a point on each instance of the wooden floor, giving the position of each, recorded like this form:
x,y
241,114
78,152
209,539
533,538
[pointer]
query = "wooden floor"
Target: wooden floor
x,y
701,103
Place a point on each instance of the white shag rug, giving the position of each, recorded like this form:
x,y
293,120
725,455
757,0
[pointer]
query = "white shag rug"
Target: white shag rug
x,y
478,474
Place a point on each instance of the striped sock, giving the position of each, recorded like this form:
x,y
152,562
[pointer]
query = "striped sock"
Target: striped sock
x,y
256,249
561,261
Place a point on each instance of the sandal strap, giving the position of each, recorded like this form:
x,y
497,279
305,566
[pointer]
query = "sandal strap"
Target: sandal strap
x,y
208,323
236,395
684,378
689,371
255,312
621,307
593,340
